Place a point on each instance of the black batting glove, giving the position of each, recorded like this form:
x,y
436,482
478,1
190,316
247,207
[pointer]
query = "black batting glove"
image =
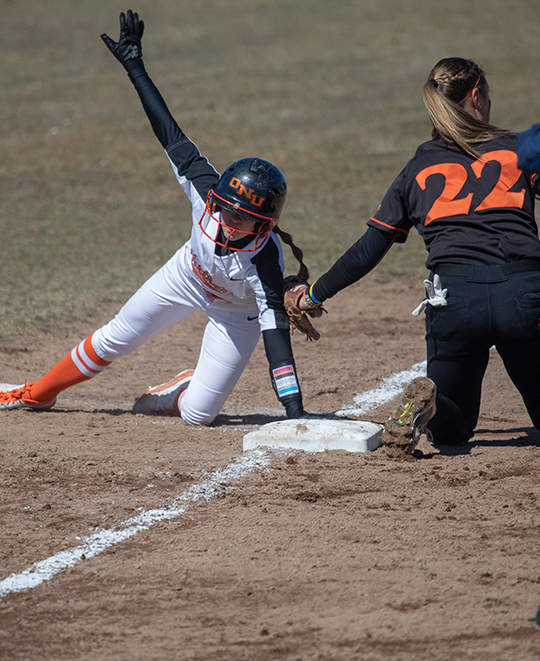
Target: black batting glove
x,y
127,50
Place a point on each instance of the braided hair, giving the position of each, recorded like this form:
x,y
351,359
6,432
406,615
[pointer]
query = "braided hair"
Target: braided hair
x,y
450,83
303,271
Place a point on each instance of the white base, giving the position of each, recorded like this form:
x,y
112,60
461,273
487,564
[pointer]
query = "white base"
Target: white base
x,y
316,435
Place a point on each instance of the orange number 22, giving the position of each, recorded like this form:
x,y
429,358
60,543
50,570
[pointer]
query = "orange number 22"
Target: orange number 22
x,y
456,175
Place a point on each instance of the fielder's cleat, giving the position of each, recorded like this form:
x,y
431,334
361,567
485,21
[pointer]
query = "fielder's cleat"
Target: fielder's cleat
x,y
164,399
13,397
404,427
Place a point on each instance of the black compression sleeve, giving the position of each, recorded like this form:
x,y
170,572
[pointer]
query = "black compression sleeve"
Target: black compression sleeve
x,y
359,260
277,344
163,123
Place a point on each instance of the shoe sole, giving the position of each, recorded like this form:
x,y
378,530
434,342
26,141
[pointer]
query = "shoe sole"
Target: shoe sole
x,y
404,427
6,387
43,407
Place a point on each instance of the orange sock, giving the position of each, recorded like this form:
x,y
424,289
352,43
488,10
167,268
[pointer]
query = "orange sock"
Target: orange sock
x,y
81,364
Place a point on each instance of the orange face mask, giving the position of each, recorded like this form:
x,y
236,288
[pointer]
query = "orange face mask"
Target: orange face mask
x,y
235,234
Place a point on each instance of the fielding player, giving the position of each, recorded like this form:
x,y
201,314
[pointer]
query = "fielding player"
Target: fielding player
x,y
474,208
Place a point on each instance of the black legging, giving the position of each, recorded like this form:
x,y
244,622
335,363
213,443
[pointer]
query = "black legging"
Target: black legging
x,y
486,307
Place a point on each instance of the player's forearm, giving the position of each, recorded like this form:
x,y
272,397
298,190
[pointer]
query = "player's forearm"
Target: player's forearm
x,y
128,51
359,260
277,344
163,123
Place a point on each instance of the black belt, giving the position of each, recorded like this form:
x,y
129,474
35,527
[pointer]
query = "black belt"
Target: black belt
x,y
520,266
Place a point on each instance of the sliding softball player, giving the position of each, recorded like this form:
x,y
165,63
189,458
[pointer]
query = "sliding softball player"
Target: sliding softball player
x,y
231,268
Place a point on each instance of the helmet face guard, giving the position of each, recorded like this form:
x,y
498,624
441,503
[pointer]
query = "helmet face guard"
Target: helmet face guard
x,y
263,225
252,188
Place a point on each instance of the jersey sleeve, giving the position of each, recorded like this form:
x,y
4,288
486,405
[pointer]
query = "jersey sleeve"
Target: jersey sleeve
x,y
266,280
193,171
393,214
528,149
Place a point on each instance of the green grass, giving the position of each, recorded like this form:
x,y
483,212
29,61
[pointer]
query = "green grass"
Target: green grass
x,y
330,92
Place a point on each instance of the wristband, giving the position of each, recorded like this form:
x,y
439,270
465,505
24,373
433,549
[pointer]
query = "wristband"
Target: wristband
x,y
134,63
310,300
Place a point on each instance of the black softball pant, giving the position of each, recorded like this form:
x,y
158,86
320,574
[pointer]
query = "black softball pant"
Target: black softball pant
x,y
487,306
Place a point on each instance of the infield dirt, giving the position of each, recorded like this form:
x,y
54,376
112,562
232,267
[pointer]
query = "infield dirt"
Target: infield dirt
x,y
331,556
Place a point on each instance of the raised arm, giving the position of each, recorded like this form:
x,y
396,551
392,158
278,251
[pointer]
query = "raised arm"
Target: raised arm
x,y
185,157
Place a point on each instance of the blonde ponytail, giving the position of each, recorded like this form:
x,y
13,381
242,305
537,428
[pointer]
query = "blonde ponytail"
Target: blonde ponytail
x,y
449,84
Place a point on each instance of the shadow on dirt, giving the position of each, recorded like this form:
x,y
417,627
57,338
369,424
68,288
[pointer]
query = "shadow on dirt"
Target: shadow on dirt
x,y
524,436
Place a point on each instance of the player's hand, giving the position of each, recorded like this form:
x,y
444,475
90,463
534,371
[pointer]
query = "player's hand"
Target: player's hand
x,y
297,308
128,48
302,303
293,407
295,411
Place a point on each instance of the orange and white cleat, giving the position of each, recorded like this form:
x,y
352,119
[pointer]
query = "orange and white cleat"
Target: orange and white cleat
x,y
164,399
13,397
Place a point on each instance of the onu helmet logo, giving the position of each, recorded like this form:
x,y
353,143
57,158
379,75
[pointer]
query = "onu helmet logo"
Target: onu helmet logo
x,y
249,194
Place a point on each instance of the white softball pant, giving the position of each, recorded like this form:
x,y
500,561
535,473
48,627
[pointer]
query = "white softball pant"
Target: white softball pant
x,y
166,298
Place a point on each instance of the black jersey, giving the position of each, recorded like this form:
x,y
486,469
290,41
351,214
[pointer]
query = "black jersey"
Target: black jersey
x,y
468,211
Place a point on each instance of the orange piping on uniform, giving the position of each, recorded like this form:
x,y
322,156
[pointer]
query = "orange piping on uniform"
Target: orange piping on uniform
x,y
396,229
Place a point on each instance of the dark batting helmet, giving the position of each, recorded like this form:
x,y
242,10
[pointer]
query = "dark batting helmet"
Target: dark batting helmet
x,y
252,188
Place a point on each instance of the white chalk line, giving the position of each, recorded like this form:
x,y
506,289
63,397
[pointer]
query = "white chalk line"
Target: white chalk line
x,y
216,483
391,387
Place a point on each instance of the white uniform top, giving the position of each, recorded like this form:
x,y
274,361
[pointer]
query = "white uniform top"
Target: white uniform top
x,y
232,276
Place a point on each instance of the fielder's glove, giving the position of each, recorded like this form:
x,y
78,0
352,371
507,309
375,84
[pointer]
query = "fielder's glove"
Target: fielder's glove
x,y
294,289
127,50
